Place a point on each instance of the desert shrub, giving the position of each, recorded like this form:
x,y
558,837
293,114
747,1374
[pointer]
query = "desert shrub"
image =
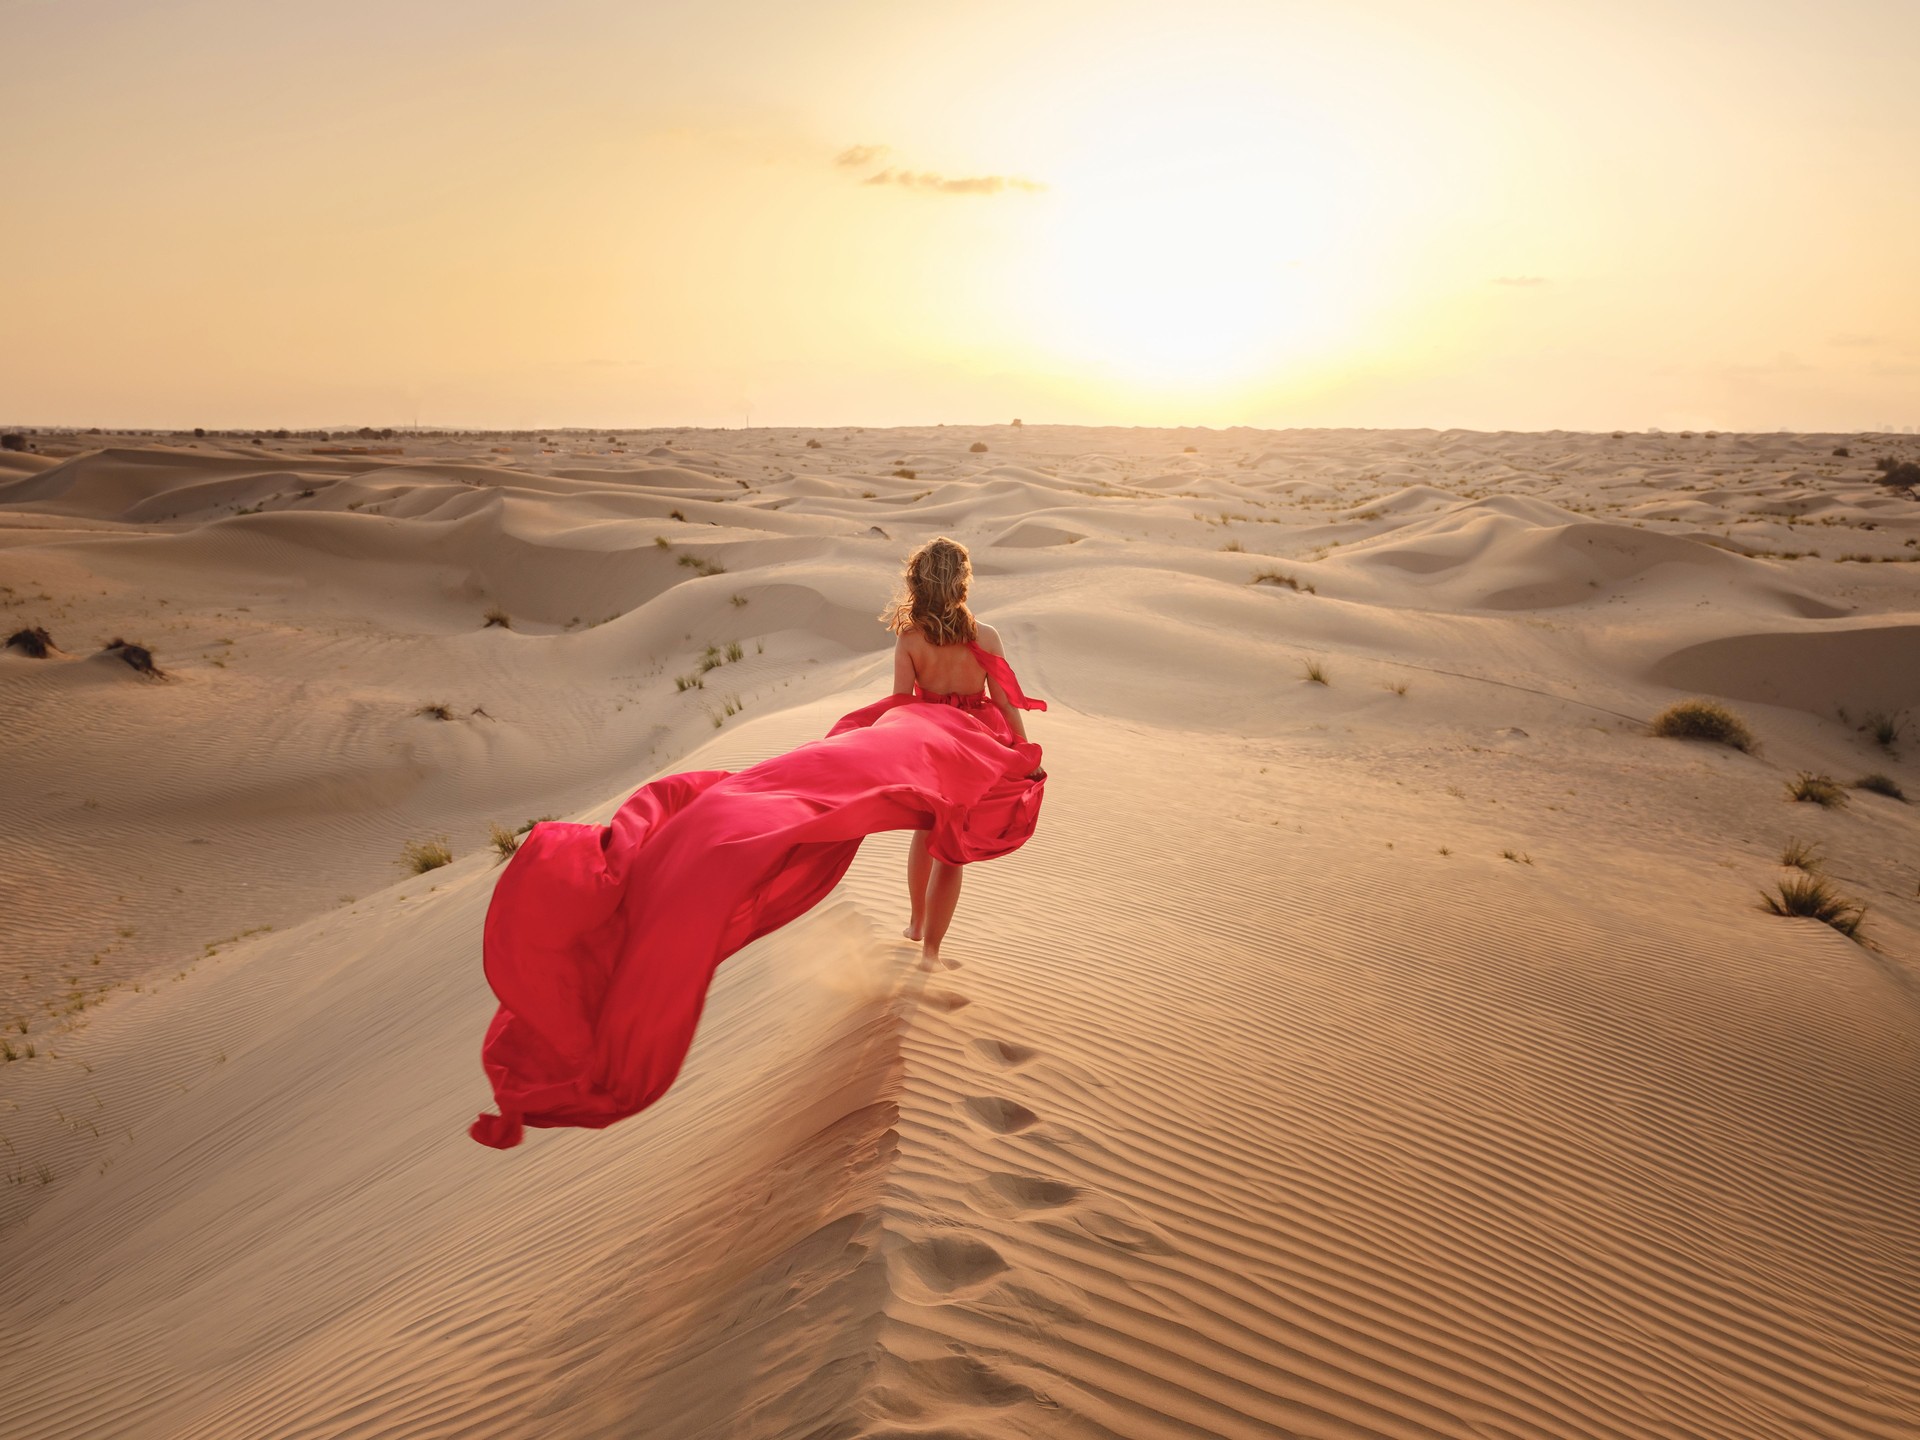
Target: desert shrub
x,y
1800,855
1821,790
1016,424
1235,546
137,656
1314,671
436,711
675,515
734,652
1814,898
1885,727
1274,577
905,474
1842,451
813,444
1707,720
505,842
497,616
1880,785
13,441
420,856
34,642
978,447
1898,474
705,567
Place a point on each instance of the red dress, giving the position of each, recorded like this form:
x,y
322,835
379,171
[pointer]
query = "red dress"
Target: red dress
x,y
601,940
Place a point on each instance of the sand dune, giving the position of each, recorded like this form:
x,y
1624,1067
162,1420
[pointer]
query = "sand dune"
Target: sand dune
x,y
1405,1055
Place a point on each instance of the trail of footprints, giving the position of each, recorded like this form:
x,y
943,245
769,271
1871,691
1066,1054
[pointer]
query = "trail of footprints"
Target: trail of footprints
x,y
951,1267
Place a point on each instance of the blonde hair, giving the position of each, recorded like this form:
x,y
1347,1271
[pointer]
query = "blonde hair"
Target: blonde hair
x,y
933,594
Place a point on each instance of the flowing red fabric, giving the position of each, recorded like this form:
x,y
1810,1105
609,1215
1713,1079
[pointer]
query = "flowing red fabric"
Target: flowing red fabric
x,y
601,940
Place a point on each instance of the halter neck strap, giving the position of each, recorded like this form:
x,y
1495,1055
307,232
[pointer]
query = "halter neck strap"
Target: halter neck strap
x,y
997,667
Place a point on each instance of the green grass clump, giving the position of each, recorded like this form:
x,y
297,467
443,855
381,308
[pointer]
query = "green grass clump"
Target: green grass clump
x,y
1881,785
420,856
1813,898
1707,720
1821,790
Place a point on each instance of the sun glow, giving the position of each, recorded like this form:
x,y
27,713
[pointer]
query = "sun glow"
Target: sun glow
x,y
1211,251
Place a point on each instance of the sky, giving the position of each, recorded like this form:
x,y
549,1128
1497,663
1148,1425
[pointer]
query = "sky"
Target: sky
x,y
1493,214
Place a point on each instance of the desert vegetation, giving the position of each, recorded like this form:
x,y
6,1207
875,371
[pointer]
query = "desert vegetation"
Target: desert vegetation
x,y
1707,720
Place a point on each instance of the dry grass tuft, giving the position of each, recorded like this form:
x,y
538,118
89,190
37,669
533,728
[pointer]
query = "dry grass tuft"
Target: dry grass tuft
x,y
1800,855
1881,785
34,642
420,856
436,711
704,566
137,656
1315,672
1886,727
1274,577
905,474
1813,898
505,842
1707,720
1821,790
497,616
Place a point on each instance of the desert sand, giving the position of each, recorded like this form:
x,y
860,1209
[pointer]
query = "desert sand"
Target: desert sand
x,y
1403,1055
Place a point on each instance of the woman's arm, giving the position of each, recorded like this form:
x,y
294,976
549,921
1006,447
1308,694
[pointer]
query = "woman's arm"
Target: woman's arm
x,y
902,668
990,642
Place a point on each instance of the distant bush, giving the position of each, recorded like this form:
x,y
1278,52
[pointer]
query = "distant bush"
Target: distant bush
x,y
13,441
1901,475
1814,898
1842,451
813,444
1821,790
1707,720
978,447
905,474
1016,423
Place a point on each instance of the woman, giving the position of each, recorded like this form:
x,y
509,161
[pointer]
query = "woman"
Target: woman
x,y
945,656
600,941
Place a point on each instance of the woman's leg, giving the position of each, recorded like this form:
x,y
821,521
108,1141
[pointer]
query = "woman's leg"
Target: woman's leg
x,y
919,868
943,894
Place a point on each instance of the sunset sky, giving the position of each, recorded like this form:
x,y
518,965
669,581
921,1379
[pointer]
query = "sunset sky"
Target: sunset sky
x,y
1495,213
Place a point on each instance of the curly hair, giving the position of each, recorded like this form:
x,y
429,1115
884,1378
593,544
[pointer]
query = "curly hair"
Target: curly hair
x,y
933,594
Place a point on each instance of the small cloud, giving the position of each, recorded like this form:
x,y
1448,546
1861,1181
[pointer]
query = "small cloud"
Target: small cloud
x,y
928,181
1520,280
860,155
1858,342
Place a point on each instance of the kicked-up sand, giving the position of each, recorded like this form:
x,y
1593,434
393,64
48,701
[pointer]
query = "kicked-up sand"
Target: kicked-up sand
x,y
1403,1052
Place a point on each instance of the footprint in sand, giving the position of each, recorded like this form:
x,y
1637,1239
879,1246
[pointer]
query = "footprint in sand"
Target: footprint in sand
x,y
1004,1052
1124,1234
998,1114
944,1266
946,1000
1011,1194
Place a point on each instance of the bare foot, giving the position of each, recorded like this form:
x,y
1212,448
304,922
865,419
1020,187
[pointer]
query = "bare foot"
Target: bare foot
x,y
930,959
912,932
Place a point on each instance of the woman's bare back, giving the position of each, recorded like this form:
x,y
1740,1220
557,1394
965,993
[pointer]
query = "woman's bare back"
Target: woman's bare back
x,y
948,669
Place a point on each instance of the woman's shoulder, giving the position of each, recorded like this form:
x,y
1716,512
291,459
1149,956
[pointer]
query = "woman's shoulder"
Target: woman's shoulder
x,y
989,638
